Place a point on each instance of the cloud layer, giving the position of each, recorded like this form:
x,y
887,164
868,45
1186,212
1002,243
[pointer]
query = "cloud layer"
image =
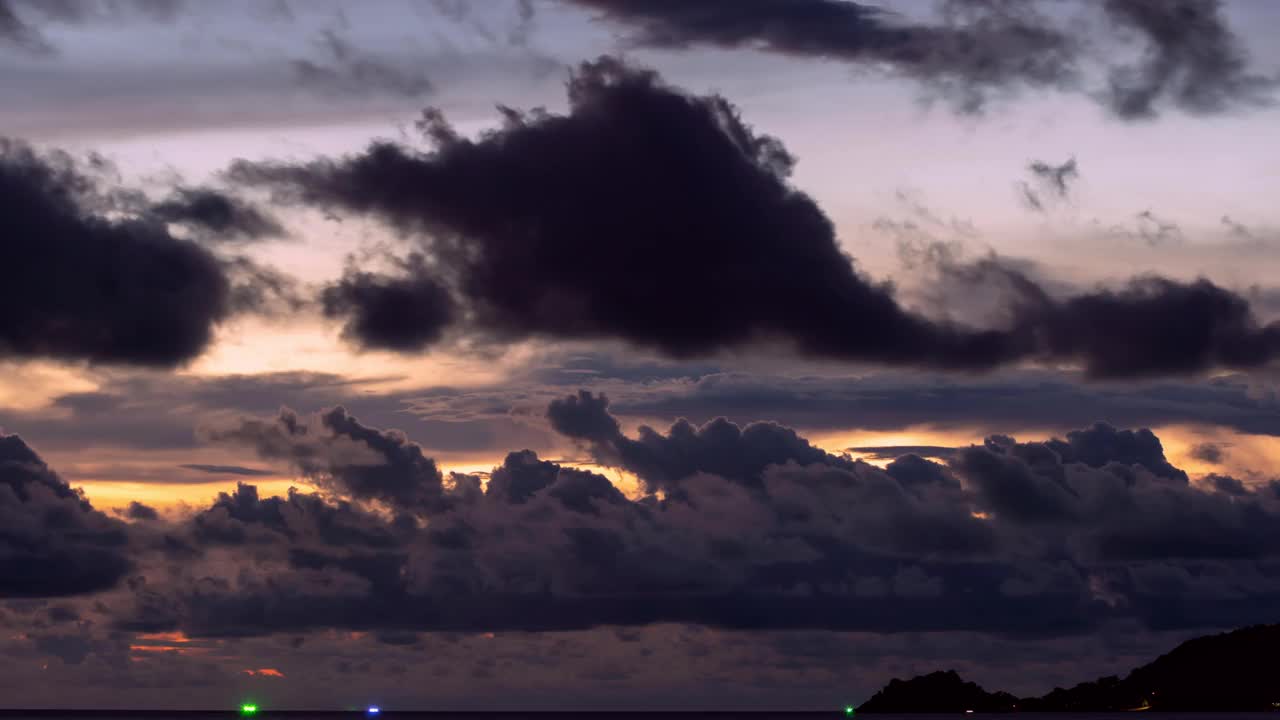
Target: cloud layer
x,y
1191,59
740,527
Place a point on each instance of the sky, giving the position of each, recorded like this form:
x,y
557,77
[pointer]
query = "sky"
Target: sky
x,y
585,354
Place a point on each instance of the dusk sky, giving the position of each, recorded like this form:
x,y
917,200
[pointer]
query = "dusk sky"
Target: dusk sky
x,y
644,354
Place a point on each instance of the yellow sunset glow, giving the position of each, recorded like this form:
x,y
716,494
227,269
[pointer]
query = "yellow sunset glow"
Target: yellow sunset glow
x,y
253,346
1245,457
838,442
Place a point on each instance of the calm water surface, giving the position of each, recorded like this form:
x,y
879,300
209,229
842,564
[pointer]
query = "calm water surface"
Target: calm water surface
x,y
391,714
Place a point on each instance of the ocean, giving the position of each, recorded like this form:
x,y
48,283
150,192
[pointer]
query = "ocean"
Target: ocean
x,y
264,713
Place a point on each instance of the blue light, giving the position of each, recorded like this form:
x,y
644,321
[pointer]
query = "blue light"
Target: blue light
x,y
373,710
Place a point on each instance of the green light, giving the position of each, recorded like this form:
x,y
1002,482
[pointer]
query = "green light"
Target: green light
x,y
248,709
848,709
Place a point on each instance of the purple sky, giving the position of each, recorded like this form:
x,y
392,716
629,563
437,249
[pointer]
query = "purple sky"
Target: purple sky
x,y
629,353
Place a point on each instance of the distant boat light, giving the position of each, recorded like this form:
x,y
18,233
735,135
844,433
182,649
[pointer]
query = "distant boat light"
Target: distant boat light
x,y
248,709
848,709
373,710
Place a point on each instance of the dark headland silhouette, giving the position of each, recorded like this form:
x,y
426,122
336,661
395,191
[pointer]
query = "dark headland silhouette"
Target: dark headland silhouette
x,y
1235,671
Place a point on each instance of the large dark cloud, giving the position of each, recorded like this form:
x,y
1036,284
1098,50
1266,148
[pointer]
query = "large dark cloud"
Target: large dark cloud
x,y
661,218
78,284
1192,60
570,226
52,541
336,450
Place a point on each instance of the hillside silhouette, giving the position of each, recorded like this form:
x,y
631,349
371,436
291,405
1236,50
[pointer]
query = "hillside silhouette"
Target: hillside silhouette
x,y
1232,671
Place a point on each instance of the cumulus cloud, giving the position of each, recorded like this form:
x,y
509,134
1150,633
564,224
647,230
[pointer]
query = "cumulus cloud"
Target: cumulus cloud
x,y
646,214
54,542
336,450
1049,538
719,447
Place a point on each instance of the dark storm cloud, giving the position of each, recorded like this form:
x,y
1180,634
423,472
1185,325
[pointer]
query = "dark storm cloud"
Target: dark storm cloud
x,y
1046,538
617,221
1192,61
79,285
1101,444
307,520
54,542
336,450
406,312
980,48
1155,326
723,194
347,71
1117,513
661,461
221,216
1127,330
722,448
